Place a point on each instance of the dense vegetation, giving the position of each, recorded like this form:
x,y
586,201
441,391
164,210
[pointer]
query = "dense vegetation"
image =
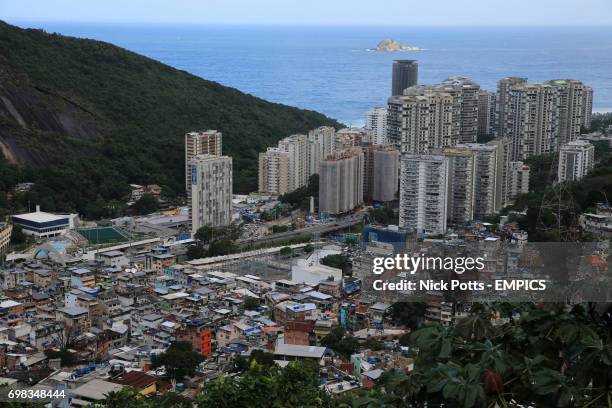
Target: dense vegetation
x,y
601,121
337,261
85,118
382,216
214,241
541,222
178,360
300,198
543,357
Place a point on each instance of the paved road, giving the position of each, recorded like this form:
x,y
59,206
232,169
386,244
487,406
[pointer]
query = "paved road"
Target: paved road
x,y
309,231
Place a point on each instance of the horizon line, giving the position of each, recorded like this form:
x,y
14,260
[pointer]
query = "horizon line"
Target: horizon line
x,y
300,24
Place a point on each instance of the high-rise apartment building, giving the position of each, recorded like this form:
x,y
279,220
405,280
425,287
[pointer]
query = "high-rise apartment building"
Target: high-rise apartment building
x,y
486,177
211,186
376,122
460,183
395,105
504,86
297,148
532,120
352,137
576,159
341,181
274,171
368,172
539,118
423,119
5,237
518,180
571,97
321,143
486,113
405,73
587,106
465,95
196,143
504,152
381,173
423,193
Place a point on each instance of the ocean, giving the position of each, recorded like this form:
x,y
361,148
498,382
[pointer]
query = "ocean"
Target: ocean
x,y
330,70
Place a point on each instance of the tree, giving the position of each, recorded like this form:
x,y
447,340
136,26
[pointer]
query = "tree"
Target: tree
x,y
220,240
208,234
279,228
17,235
67,358
146,204
251,303
337,261
222,247
373,345
300,198
196,251
285,251
296,385
338,341
409,314
384,216
179,360
262,357
126,397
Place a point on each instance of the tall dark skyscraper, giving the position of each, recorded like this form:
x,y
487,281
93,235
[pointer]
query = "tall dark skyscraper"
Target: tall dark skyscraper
x,y
405,75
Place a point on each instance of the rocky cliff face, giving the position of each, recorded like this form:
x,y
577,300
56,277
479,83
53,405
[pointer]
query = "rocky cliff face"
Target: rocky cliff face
x,y
28,113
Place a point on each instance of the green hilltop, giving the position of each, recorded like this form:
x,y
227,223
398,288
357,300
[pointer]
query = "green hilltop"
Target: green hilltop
x,y
83,119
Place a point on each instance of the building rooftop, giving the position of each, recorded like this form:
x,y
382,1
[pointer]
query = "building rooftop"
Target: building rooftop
x,y
9,303
295,350
73,310
96,389
40,217
112,254
136,379
151,317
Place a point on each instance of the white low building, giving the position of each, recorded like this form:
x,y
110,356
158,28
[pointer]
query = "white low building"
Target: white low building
x,y
43,224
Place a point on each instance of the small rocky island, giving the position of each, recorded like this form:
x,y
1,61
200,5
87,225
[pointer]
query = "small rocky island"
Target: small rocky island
x,y
389,45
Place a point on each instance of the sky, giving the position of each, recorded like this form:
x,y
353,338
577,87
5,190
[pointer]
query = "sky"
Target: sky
x,y
327,12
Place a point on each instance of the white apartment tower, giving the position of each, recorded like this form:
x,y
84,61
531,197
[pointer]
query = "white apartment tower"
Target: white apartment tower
x,y
502,102
341,182
297,148
486,113
274,172
532,120
571,98
211,184
460,183
518,180
485,177
466,98
422,120
347,138
423,193
385,173
196,143
503,150
587,105
376,121
321,143
576,159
